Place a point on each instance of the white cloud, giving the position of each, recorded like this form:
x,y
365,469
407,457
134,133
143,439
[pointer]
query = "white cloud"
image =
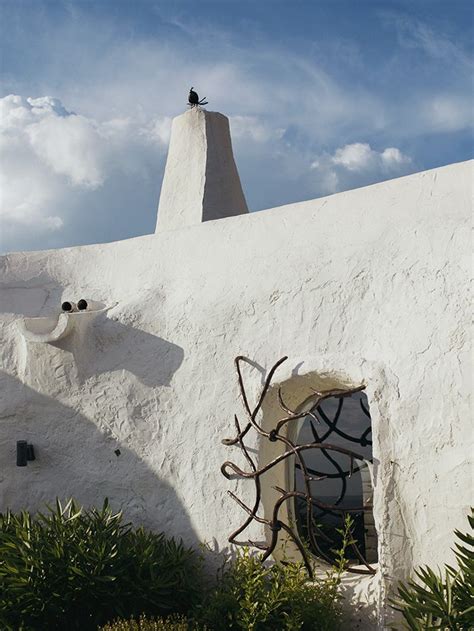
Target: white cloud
x,y
16,111
355,157
253,128
361,157
413,33
160,130
447,113
51,157
357,164
393,157
71,146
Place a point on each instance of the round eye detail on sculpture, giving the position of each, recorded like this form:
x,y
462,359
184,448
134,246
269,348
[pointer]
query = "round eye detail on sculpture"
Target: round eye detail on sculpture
x,y
82,304
68,306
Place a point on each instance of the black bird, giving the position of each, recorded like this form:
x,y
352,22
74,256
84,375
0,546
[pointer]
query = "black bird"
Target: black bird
x,y
193,99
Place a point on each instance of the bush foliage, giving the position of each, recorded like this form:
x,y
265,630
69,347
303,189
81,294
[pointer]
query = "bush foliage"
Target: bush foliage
x,y
250,596
79,569
253,597
434,601
174,623
72,568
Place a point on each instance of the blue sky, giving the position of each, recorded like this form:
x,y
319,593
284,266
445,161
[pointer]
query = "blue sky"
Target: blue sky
x,y
322,95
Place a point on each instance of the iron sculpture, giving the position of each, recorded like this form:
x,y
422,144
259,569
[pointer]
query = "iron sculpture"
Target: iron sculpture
x,y
193,99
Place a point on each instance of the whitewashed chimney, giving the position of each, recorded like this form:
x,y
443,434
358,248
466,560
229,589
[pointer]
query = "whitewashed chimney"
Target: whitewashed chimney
x,y
201,181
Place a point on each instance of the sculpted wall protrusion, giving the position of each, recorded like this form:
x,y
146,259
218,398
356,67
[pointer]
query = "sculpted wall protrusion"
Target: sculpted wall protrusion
x,y
201,180
48,329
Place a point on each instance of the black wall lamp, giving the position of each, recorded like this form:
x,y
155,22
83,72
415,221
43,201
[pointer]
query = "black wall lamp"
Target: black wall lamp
x,y
24,452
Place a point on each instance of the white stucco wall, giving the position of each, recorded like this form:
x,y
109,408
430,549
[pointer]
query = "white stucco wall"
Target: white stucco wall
x,y
367,286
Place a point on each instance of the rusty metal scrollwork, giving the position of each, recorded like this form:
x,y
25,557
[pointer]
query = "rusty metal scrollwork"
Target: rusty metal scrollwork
x,y
314,534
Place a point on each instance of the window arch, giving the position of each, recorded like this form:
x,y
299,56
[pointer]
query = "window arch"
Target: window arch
x,y
338,422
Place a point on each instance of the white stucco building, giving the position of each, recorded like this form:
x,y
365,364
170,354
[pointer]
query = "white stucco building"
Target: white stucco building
x,y
132,399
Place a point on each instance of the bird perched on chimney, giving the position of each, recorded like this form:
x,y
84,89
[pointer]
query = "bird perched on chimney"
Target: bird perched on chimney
x,y
193,99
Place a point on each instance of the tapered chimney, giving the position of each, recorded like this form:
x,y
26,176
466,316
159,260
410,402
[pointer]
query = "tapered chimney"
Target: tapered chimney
x,y
201,181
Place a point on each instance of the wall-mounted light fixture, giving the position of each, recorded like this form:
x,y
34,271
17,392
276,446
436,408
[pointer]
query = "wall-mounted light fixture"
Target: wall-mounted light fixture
x,y
24,452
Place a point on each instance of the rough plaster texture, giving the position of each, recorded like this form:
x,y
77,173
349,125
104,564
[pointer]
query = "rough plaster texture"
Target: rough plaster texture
x,y
367,286
201,181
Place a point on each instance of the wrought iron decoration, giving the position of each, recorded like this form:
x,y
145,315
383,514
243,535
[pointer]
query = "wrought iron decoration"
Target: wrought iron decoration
x,y
194,100
255,472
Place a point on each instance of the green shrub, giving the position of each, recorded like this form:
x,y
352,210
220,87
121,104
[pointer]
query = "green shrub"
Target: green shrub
x,y
174,623
252,596
435,601
71,568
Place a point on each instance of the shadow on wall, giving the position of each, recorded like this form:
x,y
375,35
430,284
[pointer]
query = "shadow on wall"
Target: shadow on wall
x,y
112,346
107,345
31,297
74,458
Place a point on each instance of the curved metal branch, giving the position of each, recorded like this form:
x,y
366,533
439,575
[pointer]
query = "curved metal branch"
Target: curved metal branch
x,y
243,393
309,475
286,454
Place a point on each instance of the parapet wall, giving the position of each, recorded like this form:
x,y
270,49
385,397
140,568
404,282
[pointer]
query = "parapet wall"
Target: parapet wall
x,y
370,284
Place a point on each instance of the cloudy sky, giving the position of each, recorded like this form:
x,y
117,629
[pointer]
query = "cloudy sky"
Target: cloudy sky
x,y
323,96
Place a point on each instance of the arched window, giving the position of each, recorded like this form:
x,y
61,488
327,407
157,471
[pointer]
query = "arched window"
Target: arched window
x,y
313,468
341,478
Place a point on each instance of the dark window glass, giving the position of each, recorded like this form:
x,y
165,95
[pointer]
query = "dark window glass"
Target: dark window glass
x,y
345,484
